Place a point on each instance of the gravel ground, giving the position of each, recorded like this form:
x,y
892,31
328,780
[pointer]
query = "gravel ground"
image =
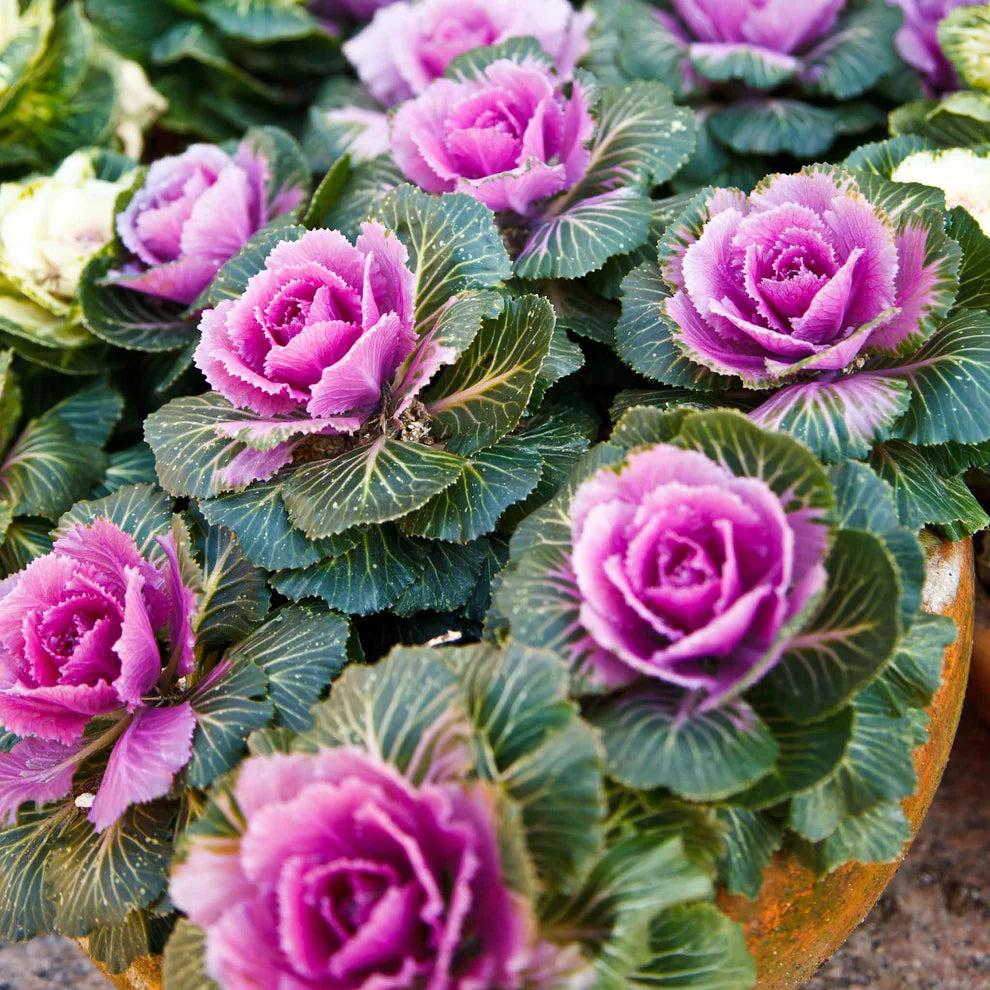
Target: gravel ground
x,y
929,931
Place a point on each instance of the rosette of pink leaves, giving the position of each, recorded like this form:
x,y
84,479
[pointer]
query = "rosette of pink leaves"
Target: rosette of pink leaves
x,y
78,644
827,294
370,852
190,215
566,167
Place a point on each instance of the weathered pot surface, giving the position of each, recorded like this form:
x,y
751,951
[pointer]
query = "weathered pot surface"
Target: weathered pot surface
x,y
797,922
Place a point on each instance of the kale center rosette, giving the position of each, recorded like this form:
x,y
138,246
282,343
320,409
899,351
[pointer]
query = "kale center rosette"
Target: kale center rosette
x,y
566,165
189,215
78,640
828,294
687,573
706,581
347,874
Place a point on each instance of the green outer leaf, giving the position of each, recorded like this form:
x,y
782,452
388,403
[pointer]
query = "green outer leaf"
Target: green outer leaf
x,y
851,638
367,183
974,272
47,469
472,64
368,577
774,126
876,766
184,962
26,909
234,597
652,740
808,754
23,541
301,649
611,913
449,574
261,21
584,235
532,742
428,730
923,497
97,879
453,245
642,139
915,673
117,946
756,68
327,193
286,165
490,481
260,521
481,398
882,157
372,483
10,399
227,707
949,380
135,465
876,836
696,947
855,54
141,510
751,839
963,34
91,413
644,341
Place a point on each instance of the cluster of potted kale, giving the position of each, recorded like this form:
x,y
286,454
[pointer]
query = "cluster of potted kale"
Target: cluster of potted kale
x,y
461,495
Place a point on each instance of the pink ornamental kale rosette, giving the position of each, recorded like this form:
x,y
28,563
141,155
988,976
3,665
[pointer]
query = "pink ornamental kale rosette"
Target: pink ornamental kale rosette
x,y
918,42
823,292
79,642
345,874
409,45
691,560
192,213
509,138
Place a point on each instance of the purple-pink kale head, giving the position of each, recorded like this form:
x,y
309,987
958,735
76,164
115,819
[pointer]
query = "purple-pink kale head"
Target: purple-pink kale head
x,y
510,138
917,41
776,27
688,574
317,332
804,278
346,875
408,45
79,638
194,212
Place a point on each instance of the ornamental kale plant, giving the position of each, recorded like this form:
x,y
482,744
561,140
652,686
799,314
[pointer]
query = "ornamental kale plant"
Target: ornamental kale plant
x,y
566,166
767,78
828,296
735,616
137,655
377,397
408,844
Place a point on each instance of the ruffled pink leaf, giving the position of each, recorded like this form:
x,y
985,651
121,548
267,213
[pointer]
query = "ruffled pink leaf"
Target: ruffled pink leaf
x,y
145,759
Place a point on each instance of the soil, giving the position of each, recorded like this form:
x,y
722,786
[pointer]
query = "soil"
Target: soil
x,y
929,931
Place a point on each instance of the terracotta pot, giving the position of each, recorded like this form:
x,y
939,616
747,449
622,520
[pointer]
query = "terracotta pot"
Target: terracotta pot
x,y
979,674
797,922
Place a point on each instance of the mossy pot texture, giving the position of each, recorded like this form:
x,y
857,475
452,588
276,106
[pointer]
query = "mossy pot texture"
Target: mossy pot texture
x,y
798,920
